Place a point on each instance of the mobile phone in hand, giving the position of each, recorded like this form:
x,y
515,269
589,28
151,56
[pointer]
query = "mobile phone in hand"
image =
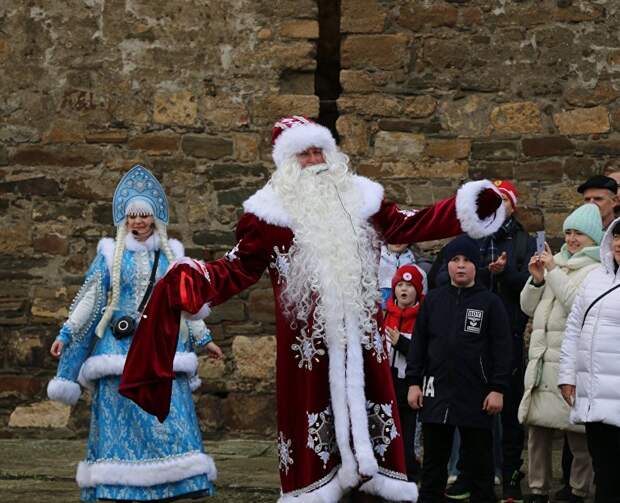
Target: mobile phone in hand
x,y
540,242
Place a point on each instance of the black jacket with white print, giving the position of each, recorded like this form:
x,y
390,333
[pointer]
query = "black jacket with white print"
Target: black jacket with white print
x,y
460,352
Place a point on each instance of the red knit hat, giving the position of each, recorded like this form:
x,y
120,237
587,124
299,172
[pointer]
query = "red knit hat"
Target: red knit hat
x,y
293,134
411,274
505,187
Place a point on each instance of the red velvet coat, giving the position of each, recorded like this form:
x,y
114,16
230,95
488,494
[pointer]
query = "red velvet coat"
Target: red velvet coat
x,y
324,443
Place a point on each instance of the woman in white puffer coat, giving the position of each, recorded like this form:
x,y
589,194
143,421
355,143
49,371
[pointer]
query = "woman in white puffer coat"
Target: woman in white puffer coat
x,y
548,296
590,365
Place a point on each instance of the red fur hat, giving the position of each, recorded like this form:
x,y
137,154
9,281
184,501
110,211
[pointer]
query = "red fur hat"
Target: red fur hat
x,y
412,274
505,187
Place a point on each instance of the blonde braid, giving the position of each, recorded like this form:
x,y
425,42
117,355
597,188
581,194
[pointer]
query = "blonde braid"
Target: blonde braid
x,y
163,241
121,233
165,246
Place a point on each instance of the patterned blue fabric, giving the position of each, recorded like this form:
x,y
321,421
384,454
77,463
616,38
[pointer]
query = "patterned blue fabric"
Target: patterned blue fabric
x,y
139,183
141,437
120,432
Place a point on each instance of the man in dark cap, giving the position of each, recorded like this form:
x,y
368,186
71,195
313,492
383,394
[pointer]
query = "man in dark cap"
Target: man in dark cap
x,y
602,191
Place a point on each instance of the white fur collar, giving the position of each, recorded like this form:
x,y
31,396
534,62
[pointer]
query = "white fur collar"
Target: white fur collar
x,y
266,205
107,246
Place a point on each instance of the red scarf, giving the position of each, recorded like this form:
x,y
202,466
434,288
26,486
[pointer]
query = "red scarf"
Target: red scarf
x,y
402,320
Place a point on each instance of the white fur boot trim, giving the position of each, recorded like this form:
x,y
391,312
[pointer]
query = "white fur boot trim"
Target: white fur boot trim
x,y
331,492
467,204
63,390
391,489
145,473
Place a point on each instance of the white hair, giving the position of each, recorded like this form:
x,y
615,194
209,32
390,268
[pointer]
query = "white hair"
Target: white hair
x,y
121,234
334,254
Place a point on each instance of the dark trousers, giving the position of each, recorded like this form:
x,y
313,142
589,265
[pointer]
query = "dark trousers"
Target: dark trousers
x,y
567,461
512,436
604,447
512,431
407,423
477,448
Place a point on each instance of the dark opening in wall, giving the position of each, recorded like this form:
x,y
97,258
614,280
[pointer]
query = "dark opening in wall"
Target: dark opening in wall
x,y
327,76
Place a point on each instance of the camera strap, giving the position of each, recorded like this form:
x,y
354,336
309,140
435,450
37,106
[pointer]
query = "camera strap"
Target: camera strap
x,y
583,322
149,288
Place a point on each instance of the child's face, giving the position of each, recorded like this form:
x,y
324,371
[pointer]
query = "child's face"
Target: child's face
x,y
397,248
405,293
462,271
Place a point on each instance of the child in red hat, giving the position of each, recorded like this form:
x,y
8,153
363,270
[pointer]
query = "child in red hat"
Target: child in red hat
x,y
408,290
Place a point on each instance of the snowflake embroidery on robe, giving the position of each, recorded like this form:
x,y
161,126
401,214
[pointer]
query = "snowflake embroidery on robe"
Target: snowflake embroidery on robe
x,y
381,426
321,434
375,344
280,263
284,453
232,254
407,213
308,347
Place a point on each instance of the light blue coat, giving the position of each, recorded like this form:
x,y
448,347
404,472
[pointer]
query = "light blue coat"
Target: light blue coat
x,y
130,454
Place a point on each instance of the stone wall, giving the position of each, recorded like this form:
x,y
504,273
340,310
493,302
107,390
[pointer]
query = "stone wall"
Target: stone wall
x,y
433,93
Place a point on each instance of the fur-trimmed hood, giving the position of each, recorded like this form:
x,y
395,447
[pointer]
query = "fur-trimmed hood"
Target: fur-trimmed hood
x,y
266,204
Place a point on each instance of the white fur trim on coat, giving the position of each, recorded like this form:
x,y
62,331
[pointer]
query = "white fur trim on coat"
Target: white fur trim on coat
x,y
380,485
145,473
332,491
194,383
391,489
466,206
100,366
63,390
106,246
202,313
266,205
177,248
295,140
356,396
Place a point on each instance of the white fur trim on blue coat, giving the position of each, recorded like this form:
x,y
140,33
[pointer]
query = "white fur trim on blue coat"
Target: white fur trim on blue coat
x,y
100,366
63,390
145,473
467,204
266,205
106,247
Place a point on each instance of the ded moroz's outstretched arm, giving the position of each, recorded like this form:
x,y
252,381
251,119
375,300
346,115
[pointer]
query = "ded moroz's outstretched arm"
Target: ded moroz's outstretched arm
x,y
476,209
190,286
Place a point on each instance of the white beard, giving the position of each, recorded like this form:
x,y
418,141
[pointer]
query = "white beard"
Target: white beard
x,y
334,254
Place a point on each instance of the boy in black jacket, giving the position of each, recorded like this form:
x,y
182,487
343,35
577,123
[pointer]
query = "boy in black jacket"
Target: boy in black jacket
x,y
458,370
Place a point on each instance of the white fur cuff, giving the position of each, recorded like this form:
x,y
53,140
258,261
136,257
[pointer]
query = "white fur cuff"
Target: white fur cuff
x,y
100,366
466,210
63,390
194,383
145,473
202,313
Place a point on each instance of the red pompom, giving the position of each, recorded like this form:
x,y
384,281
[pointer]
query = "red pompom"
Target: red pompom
x,y
488,201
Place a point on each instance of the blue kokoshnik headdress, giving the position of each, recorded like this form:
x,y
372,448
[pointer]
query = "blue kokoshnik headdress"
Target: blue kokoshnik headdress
x,y
139,192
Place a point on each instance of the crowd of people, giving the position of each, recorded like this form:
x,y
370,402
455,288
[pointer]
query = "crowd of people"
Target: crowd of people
x,y
376,400
540,394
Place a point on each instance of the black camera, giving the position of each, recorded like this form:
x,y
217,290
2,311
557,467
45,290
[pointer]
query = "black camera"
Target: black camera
x,y
123,327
